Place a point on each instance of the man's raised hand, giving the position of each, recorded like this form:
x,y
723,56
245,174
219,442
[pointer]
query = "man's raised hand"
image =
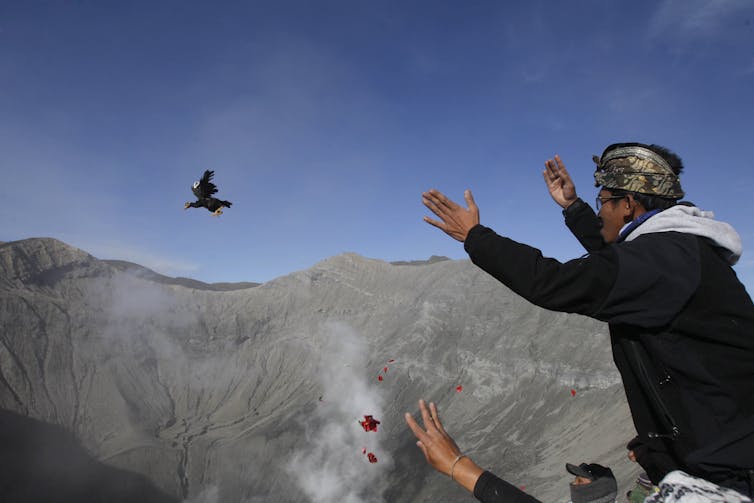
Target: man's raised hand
x,y
455,220
559,183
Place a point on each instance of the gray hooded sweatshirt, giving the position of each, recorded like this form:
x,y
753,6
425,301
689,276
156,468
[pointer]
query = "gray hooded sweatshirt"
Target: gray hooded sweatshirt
x,y
692,220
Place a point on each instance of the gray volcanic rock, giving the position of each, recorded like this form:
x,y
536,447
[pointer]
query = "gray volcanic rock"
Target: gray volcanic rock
x,y
254,394
149,274
430,260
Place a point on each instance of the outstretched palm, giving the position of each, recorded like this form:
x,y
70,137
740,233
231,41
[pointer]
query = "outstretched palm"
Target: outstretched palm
x,y
559,183
455,220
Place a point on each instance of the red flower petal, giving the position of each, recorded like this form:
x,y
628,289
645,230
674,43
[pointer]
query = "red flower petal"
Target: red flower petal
x,y
384,370
523,488
459,388
369,423
573,392
390,360
363,450
372,458
379,378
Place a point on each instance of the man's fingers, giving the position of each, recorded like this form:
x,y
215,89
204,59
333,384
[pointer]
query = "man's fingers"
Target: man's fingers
x,y
440,204
469,200
437,197
453,219
433,206
559,162
435,417
423,447
562,170
418,431
553,168
428,423
433,411
441,200
437,224
549,173
548,178
431,197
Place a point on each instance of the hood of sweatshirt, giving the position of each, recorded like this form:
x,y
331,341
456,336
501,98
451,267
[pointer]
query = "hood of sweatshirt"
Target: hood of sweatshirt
x,y
692,220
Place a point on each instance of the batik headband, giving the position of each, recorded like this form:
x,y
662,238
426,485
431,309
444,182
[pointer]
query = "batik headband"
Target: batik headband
x,y
637,169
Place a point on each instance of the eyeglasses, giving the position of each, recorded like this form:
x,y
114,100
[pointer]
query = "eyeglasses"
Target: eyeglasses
x,y
602,200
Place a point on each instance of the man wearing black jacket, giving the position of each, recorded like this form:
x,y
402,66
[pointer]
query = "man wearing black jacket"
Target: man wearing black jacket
x,y
681,324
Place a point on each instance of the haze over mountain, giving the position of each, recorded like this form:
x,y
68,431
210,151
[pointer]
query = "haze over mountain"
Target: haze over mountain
x,y
119,384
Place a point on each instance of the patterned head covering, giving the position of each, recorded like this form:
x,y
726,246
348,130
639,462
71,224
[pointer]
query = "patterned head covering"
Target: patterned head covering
x,y
637,169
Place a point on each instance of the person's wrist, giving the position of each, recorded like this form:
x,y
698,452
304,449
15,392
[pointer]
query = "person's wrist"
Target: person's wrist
x,y
453,464
466,473
570,202
573,206
470,231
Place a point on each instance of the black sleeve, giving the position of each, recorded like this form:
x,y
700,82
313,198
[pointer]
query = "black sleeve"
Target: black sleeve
x,y
584,225
645,282
578,286
491,489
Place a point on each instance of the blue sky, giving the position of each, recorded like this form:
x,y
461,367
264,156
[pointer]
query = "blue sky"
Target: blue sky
x,y
325,121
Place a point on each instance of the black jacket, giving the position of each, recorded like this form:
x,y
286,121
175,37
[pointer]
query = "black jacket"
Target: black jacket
x,y
682,334
491,489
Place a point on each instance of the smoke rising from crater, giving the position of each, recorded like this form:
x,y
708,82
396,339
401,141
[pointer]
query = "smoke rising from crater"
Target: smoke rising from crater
x,y
332,465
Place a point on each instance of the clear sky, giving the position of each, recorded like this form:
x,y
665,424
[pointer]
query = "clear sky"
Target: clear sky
x,y
325,120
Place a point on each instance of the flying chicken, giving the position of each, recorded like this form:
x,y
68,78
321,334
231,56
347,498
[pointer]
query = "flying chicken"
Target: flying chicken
x,y
203,190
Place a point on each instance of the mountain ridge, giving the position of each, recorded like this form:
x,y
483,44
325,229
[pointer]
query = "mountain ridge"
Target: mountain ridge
x,y
183,385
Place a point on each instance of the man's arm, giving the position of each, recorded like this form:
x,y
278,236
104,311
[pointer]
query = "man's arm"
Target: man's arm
x,y
545,282
577,286
584,225
644,282
580,218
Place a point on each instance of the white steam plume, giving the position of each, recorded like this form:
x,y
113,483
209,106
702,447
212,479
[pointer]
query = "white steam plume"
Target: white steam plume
x,y
332,466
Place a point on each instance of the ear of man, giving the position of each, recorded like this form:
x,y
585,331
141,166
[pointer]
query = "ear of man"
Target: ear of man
x,y
632,208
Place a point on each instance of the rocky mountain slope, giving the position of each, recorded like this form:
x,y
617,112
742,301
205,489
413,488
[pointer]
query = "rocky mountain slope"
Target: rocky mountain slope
x,y
254,394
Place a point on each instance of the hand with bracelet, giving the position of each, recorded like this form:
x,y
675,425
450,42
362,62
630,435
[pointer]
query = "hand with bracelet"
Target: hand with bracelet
x,y
440,450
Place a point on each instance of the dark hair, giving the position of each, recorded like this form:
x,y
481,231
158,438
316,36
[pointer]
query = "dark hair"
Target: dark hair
x,y
650,202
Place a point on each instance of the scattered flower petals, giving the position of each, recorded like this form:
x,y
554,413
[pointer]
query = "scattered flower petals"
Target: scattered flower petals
x,y
379,378
573,392
369,423
372,458
459,388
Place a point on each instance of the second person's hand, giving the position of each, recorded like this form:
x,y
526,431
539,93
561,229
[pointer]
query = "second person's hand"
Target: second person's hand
x,y
440,450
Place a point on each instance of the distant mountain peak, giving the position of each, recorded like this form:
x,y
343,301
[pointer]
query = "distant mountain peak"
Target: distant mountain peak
x,y
352,257
43,261
149,274
431,260
28,259
52,245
